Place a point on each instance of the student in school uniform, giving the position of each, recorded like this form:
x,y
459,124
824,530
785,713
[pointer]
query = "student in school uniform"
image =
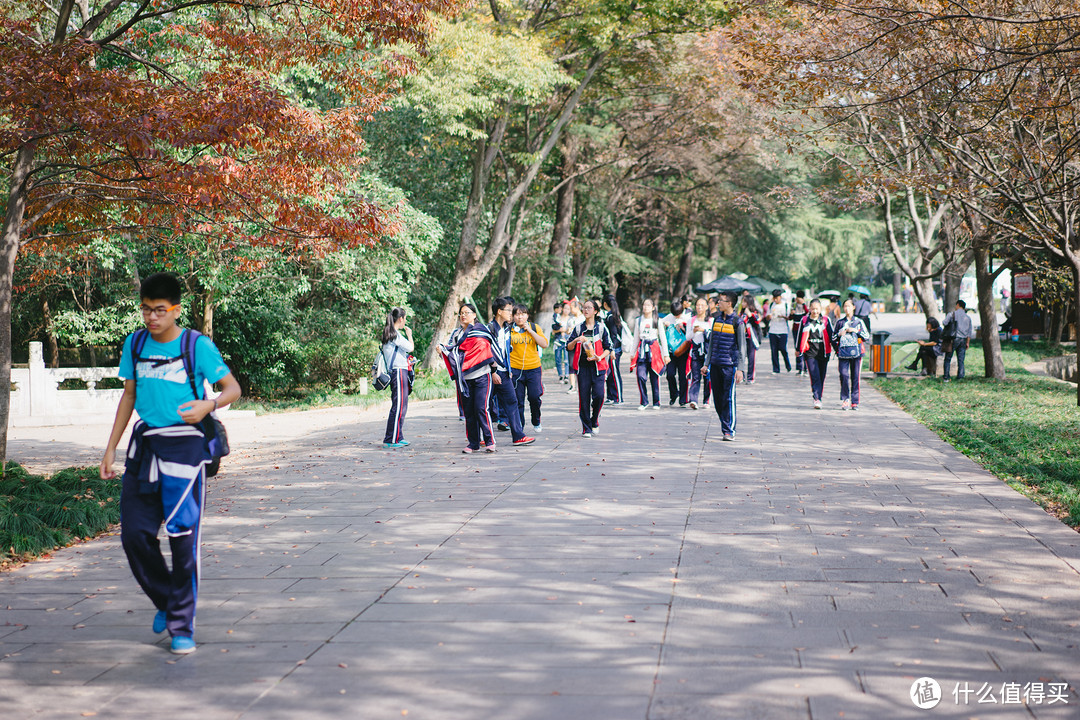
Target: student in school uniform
x,y
649,354
397,343
502,310
698,331
613,320
164,368
526,342
674,324
815,344
726,358
590,347
471,355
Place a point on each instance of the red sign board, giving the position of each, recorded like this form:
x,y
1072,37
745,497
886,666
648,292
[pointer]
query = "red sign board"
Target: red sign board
x,y
1022,287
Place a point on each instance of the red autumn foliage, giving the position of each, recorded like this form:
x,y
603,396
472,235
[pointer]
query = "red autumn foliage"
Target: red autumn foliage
x,y
174,119
175,116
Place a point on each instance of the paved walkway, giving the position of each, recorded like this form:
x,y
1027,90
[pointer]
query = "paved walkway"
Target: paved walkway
x,y
815,568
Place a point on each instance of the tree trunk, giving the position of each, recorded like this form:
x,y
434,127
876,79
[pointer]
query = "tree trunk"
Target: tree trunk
x,y
712,271
50,336
560,233
581,264
897,286
465,279
508,271
924,292
920,270
682,281
1076,319
984,288
9,250
208,314
475,263
951,281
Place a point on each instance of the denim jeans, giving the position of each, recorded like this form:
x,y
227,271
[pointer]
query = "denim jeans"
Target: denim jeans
x,y
960,349
562,358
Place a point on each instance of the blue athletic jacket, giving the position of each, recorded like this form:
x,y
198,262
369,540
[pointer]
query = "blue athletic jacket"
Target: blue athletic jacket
x,y
727,342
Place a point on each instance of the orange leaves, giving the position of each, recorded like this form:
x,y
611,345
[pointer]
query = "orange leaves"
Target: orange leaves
x,y
188,127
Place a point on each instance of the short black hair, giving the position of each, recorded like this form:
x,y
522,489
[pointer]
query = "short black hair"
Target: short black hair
x,y
518,307
161,286
499,303
727,295
962,304
676,307
800,294
777,292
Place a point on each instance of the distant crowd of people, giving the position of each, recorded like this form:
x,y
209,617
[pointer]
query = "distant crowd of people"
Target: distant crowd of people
x,y
703,348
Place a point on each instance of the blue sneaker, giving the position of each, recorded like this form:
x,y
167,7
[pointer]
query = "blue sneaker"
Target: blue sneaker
x,y
182,645
159,622
403,443
395,445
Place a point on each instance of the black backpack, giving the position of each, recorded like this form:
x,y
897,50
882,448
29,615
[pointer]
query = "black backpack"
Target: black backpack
x,y
217,440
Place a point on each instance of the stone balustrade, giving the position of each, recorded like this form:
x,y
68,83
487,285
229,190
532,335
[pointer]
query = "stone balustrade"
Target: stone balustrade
x,y
37,400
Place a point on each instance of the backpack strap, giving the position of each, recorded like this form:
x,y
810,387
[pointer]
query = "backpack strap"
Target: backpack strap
x,y
188,338
138,342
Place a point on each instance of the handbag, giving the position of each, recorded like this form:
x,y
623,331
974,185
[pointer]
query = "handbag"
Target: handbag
x,y
683,348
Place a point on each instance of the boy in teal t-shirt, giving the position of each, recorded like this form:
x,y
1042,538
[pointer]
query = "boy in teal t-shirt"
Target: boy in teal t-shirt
x,y
164,478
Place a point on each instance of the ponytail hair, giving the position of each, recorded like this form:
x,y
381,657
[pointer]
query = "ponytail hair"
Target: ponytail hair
x,y
613,307
389,332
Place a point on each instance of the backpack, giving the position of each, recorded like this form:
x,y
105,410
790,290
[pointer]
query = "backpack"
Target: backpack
x,y
949,331
626,337
217,440
380,370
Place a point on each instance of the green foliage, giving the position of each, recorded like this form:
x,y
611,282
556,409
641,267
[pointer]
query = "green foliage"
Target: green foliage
x,y
340,362
99,326
259,341
1023,429
474,70
39,514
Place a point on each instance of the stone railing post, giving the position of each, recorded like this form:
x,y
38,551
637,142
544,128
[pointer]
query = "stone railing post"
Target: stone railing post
x,y
37,389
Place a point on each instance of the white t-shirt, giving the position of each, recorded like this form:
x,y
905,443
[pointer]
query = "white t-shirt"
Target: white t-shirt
x,y
778,317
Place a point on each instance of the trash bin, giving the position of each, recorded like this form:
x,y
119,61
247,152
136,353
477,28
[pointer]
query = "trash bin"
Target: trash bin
x,y
881,353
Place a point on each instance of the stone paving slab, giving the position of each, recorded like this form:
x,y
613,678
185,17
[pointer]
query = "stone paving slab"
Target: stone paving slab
x,y
815,568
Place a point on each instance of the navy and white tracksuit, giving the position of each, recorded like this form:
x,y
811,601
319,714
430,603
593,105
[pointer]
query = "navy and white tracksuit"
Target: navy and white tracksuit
x,y
815,343
614,373
398,365
850,367
477,418
726,354
648,339
165,482
699,336
591,378
505,391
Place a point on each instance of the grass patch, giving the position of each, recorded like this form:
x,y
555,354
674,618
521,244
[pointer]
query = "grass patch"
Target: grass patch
x,y
426,387
1023,429
41,513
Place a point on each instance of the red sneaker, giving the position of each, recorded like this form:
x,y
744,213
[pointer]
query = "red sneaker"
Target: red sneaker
x,y
526,440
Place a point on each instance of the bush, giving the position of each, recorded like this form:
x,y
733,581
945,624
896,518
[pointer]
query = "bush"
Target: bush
x,y
261,347
39,513
340,362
